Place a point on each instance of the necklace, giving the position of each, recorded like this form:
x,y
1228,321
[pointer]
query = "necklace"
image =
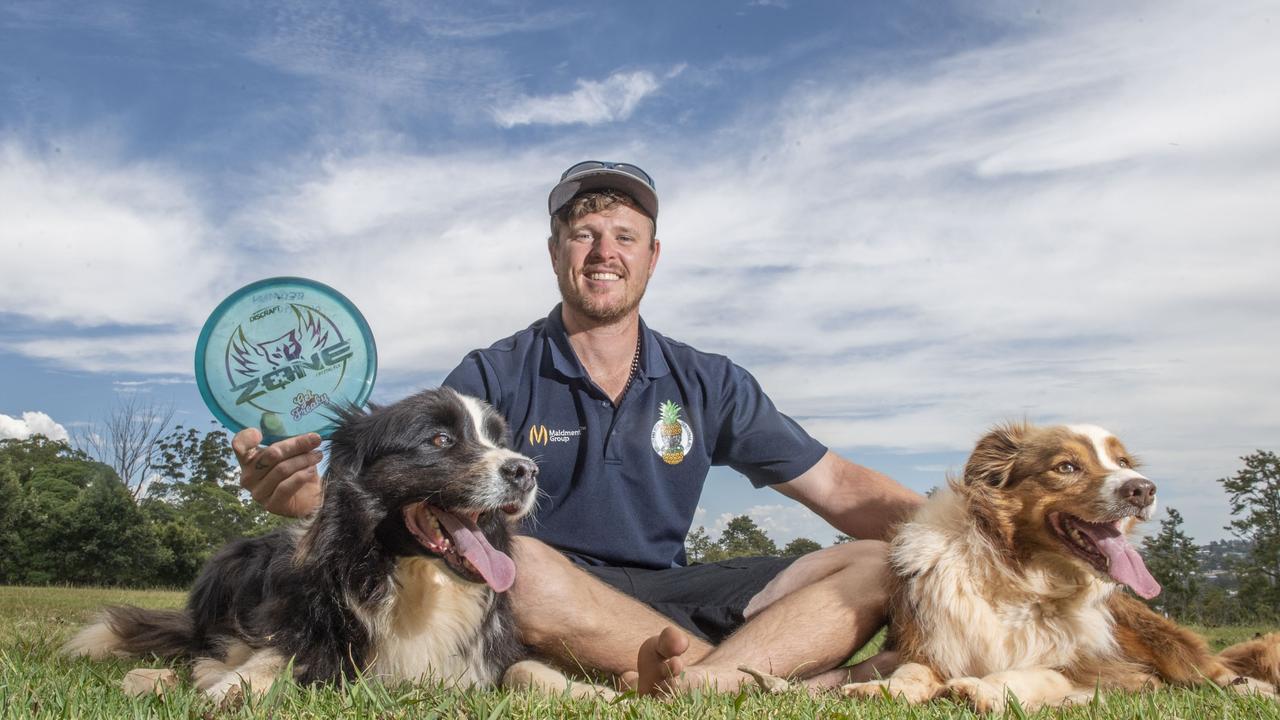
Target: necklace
x,y
635,368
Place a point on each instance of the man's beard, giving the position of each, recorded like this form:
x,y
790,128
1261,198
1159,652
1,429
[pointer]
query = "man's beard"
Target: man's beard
x,y
596,311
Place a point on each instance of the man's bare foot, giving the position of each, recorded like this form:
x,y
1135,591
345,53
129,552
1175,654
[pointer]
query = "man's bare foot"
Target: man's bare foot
x,y
660,660
662,669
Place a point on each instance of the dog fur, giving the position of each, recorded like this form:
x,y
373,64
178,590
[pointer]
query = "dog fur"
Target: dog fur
x,y
999,586
377,583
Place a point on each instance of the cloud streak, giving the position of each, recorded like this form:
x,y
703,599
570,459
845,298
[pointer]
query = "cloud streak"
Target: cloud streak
x,y
591,103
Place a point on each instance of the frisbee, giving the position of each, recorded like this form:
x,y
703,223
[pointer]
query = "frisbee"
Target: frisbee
x,y
279,354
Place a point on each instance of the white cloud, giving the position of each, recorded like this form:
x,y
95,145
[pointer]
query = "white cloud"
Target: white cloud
x,y
592,103
31,423
129,353
782,522
89,241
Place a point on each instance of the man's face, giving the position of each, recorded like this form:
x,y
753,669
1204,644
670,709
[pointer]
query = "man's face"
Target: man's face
x,y
603,262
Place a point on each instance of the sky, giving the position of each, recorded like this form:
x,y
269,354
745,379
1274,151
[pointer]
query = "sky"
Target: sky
x,y
909,220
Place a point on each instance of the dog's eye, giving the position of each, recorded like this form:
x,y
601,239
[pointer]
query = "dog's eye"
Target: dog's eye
x,y
1066,468
1123,462
441,440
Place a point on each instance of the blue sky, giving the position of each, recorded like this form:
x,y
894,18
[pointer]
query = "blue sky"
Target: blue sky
x,y
909,220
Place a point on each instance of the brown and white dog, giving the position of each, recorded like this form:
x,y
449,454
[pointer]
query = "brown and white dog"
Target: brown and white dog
x,y
1009,581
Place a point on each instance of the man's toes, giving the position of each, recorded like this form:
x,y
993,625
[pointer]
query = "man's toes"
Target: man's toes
x,y
672,642
629,679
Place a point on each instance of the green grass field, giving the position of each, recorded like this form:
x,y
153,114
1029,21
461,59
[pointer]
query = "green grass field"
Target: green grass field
x,y
35,682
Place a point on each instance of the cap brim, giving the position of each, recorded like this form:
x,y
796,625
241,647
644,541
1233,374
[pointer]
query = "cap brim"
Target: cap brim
x,y
604,179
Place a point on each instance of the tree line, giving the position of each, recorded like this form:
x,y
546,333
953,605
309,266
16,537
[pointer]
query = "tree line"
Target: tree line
x,y
67,517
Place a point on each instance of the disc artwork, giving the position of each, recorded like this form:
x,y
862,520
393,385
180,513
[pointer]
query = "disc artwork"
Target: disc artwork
x,y
279,353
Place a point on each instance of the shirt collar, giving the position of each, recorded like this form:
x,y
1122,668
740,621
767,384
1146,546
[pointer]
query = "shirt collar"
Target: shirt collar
x,y
565,361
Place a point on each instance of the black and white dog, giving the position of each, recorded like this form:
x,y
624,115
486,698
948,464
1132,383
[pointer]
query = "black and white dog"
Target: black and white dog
x,y
400,575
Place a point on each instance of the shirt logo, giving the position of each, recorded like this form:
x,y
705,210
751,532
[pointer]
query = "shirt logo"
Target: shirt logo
x,y
671,437
541,435
537,434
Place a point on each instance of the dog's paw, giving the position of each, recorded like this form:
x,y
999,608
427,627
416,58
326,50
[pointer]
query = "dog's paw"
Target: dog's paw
x,y
768,683
866,690
227,693
978,694
146,681
913,693
1250,686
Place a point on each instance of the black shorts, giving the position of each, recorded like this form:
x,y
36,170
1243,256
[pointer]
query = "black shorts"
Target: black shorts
x,y
706,600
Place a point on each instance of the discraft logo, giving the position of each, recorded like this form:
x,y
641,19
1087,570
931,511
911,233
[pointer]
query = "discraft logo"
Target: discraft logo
x,y
277,347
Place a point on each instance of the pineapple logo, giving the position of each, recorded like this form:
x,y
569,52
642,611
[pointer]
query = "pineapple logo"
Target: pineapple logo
x,y
671,437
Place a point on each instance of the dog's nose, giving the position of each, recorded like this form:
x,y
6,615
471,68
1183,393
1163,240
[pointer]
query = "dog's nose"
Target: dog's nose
x,y
520,473
1138,492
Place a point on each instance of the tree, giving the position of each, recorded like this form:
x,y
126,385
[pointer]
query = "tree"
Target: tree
x,y
1255,504
800,546
1174,560
842,539
195,501
126,439
186,455
72,520
743,538
698,547
11,523
104,539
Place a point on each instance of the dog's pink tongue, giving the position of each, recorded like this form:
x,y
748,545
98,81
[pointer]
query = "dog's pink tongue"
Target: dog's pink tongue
x,y
1126,564
495,567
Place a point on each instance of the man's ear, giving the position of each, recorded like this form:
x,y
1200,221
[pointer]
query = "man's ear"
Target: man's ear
x,y
657,250
991,463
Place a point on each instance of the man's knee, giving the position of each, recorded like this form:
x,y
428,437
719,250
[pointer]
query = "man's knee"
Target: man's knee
x,y
867,568
547,596
540,571
859,567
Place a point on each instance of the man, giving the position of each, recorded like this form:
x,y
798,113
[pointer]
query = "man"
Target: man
x,y
625,424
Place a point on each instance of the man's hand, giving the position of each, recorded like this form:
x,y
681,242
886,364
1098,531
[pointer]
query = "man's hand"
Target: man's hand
x,y
281,477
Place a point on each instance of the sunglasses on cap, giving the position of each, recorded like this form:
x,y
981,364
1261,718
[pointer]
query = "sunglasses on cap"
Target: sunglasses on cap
x,y
627,168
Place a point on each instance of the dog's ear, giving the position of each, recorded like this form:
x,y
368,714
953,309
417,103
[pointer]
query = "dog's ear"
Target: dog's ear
x,y
991,463
348,443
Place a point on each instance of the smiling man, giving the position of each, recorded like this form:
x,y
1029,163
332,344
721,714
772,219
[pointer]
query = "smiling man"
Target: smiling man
x,y
625,424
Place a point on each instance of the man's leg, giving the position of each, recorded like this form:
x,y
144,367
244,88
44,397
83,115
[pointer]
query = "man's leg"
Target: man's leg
x,y
805,632
804,572
570,616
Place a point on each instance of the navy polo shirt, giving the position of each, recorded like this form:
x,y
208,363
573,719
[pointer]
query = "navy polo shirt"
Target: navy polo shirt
x,y
617,487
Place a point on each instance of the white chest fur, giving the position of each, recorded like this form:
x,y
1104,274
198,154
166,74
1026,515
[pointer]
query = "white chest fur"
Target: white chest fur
x,y
430,628
980,616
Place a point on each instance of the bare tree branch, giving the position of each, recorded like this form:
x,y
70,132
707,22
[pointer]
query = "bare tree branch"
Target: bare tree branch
x,y
126,439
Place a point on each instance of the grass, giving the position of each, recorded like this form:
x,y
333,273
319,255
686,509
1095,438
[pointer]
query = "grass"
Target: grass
x,y
36,683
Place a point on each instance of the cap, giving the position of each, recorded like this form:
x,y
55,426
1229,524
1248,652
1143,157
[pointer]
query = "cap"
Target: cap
x,y
600,175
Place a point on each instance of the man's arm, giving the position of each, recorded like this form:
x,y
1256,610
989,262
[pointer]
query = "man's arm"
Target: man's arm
x,y
856,500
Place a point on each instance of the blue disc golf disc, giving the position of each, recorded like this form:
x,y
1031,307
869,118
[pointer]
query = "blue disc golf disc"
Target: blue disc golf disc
x,y
280,353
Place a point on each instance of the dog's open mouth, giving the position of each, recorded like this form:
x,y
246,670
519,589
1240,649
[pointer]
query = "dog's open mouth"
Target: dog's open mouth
x,y
1104,546
457,539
